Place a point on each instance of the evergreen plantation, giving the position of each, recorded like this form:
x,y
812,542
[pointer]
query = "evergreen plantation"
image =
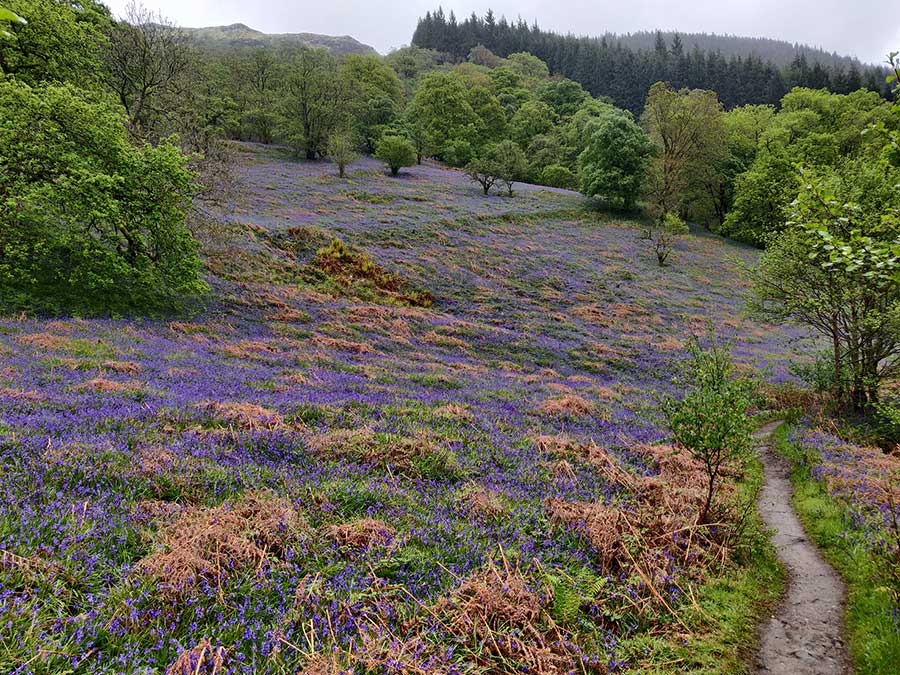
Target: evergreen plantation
x,y
740,70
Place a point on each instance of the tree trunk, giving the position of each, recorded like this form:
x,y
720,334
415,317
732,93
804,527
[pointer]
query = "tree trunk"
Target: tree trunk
x,y
837,380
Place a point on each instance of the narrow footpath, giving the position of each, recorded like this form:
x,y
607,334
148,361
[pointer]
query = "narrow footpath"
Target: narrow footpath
x,y
805,636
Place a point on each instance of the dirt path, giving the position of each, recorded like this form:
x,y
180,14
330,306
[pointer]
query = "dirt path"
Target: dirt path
x,y
805,637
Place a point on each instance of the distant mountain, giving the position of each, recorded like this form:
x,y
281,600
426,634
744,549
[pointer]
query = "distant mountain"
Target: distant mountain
x,y
779,52
240,35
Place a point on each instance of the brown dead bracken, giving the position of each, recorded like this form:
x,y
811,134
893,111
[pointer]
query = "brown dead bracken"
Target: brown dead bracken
x,y
573,405
212,543
361,533
503,624
244,415
204,659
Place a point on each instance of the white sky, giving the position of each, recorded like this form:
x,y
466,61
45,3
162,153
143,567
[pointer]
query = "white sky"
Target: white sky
x,y
868,29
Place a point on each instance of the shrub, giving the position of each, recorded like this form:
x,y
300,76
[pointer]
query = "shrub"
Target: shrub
x,y
510,162
557,176
457,153
342,152
483,171
672,227
90,222
711,420
396,152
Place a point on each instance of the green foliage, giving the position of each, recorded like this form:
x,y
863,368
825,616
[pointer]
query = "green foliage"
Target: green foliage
x,y
342,151
763,195
613,165
491,124
888,418
836,269
564,96
457,152
670,229
315,103
710,187
91,223
52,41
397,152
527,66
9,17
815,129
510,163
818,374
558,176
532,119
374,119
374,95
501,163
625,66
684,126
368,77
442,110
483,171
711,420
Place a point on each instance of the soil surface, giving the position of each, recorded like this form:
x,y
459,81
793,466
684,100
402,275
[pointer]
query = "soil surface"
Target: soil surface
x,y
805,636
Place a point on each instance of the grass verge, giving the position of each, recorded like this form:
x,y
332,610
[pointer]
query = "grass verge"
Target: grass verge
x,y
872,635
723,622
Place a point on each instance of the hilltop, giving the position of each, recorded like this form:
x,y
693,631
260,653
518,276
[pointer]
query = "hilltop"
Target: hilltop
x,y
241,35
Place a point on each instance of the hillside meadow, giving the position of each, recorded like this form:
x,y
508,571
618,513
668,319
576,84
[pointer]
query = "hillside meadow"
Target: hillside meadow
x,y
402,437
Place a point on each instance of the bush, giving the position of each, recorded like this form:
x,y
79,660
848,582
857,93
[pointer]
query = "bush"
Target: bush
x,y
558,176
888,420
711,421
818,374
457,153
511,164
342,151
484,171
671,228
90,222
396,152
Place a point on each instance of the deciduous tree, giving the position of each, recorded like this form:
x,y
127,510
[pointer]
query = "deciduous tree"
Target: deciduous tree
x,y
613,165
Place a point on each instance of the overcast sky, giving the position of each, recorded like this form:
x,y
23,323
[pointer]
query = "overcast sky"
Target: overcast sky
x,y
868,29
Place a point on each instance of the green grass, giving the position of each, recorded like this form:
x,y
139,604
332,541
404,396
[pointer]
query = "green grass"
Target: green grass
x,y
873,639
723,625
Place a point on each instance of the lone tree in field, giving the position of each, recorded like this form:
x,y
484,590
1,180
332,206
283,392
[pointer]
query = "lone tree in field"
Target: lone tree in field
x,y
484,171
510,163
664,242
396,152
711,420
342,151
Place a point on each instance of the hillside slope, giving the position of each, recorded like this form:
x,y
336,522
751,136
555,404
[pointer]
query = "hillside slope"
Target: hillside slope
x,y
320,463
